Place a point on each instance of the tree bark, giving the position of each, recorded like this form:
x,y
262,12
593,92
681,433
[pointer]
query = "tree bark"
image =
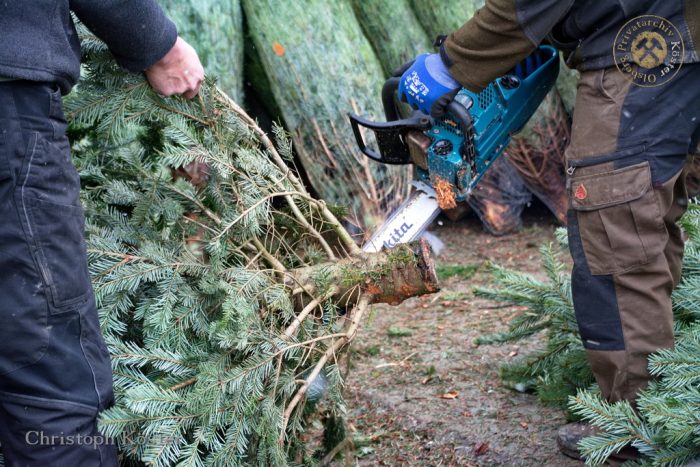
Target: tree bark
x,y
389,276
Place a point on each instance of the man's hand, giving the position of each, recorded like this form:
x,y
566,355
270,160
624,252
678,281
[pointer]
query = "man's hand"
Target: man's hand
x,y
179,72
427,85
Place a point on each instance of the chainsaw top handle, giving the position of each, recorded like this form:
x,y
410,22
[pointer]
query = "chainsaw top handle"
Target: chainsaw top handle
x,y
391,135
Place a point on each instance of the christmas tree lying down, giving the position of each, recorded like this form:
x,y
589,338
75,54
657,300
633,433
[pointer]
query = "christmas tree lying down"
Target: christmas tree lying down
x,y
226,292
666,426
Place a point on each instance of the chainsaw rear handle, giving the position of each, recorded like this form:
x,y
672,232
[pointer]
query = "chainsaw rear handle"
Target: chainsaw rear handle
x,y
458,111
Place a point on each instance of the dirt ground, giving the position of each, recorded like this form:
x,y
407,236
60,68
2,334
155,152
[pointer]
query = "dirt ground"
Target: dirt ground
x,y
421,393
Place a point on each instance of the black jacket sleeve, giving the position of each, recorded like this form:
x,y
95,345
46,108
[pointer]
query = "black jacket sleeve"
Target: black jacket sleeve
x,y
137,32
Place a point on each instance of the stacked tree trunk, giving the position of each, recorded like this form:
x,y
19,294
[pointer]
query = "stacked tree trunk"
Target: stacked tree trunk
x,y
538,154
310,63
500,198
393,30
444,16
215,29
320,66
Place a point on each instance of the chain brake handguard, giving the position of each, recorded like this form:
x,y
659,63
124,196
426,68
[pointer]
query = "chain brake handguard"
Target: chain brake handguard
x,y
391,137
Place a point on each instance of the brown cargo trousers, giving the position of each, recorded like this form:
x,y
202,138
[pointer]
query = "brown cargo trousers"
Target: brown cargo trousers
x,y
626,191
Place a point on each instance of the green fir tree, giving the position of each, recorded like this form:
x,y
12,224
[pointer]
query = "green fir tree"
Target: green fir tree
x,y
227,294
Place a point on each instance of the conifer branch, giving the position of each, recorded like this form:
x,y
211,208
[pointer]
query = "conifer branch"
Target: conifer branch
x,y
291,330
355,318
274,262
327,214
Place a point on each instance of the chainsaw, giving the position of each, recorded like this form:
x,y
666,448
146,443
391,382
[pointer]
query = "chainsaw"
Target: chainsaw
x,y
451,154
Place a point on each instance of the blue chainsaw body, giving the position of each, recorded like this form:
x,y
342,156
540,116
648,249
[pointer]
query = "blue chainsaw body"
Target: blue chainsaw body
x,y
457,150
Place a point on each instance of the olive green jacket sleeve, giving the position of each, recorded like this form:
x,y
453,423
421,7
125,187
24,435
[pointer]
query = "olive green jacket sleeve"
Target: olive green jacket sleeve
x,y
500,35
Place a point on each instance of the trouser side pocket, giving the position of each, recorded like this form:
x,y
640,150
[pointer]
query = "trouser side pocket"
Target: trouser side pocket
x,y
619,218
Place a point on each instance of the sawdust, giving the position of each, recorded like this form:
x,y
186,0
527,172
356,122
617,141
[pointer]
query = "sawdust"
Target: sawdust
x,y
446,197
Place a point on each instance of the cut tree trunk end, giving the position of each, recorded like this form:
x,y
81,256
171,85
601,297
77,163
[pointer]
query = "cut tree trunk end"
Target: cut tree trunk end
x,y
390,276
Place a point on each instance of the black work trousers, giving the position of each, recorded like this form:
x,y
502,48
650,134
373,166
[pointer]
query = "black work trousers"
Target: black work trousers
x,y
55,373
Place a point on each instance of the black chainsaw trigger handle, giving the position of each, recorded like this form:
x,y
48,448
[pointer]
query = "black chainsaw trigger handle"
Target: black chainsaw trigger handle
x,y
459,111
390,136
462,115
